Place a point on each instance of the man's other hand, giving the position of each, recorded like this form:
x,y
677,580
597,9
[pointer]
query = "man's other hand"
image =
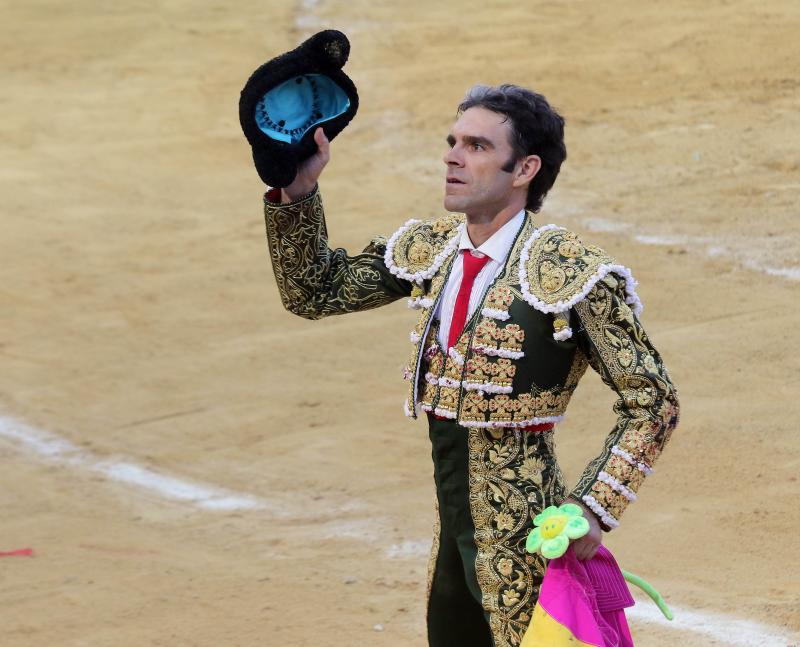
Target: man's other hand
x,y
309,171
586,547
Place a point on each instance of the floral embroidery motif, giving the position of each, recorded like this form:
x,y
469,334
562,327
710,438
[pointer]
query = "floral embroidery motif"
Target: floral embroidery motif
x,y
531,470
484,374
647,406
474,406
478,369
502,408
485,334
497,303
511,337
315,281
491,339
418,249
448,400
512,479
557,271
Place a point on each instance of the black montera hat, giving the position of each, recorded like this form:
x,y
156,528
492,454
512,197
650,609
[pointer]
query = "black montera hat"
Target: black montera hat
x,y
286,98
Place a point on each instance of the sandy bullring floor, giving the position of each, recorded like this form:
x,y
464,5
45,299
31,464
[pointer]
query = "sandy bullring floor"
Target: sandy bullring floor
x,y
140,324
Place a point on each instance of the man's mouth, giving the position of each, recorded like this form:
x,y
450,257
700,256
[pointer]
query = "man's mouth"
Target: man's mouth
x,y
453,180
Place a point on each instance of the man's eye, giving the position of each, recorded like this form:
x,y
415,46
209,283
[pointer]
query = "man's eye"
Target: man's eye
x,y
477,147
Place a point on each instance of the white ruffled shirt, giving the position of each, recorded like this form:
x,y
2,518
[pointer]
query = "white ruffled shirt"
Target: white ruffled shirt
x,y
497,248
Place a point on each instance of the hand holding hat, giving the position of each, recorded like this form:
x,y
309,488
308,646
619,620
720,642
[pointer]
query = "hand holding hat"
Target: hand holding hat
x,y
287,99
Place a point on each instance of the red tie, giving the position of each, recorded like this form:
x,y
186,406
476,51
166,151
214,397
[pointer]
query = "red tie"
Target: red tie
x,y
472,266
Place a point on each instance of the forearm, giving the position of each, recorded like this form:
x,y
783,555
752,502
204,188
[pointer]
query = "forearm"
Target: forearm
x,y
647,409
313,280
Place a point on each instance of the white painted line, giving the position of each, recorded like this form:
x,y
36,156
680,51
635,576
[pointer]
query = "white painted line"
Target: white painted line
x,y
604,225
409,549
54,449
729,630
791,273
709,245
368,530
649,239
203,496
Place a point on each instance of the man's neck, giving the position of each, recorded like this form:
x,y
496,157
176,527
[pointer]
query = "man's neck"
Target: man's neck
x,y
482,226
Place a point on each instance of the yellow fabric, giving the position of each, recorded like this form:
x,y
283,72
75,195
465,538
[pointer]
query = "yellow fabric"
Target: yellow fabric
x,y
543,631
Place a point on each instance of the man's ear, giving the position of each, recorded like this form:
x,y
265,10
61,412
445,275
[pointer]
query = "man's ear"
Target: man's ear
x,y
526,170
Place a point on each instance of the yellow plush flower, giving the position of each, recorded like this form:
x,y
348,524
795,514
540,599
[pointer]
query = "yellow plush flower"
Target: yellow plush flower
x,y
555,526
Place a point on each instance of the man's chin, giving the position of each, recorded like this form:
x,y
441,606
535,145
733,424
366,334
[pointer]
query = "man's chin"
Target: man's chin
x,y
453,204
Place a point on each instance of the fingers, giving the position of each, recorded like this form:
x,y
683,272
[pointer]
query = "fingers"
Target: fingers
x,y
309,171
585,548
323,144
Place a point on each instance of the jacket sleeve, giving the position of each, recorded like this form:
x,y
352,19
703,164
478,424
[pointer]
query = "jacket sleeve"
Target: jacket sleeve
x,y
620,351
315,281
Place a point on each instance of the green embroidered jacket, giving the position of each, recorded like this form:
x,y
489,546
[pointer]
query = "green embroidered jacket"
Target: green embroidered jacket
x,y
557,306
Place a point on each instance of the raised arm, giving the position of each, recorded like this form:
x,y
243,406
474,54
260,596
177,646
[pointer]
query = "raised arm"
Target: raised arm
x,y
313,280
620,351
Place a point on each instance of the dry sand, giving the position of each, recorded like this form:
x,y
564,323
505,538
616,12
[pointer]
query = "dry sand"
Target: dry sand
x,y
140,321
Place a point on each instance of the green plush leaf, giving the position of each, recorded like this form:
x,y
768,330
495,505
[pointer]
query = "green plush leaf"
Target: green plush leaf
x,y
576,527
555,547
534,540
571,509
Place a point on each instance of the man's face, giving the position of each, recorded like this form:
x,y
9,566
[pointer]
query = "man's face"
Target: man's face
x,y
479,149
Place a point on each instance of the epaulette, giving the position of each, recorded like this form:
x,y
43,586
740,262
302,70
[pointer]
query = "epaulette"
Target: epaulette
x,y
416,251
557,270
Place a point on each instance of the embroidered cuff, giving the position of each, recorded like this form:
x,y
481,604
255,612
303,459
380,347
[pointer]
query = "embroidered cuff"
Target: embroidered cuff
x,y
272,198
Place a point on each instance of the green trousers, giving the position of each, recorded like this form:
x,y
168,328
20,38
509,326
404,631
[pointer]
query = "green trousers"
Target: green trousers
x,y
455,612
499,479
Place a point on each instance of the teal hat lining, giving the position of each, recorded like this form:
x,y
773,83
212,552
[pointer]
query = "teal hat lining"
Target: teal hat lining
x,y
288,111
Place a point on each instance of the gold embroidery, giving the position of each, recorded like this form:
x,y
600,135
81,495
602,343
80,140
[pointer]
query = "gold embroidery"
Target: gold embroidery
x,y
445,225
416,248
473,407
512,478
315,281
526,409
434,556
420,252
448,399
490,371
571,247
502,408
552,277
452,371
485,333
612,501
647,408
629,475
428,395
558,265
478,370
531,469
428,348
511,337
432,365
503,371
481,369
499,298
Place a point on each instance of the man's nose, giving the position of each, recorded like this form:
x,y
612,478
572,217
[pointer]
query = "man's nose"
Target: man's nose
x,y
453,157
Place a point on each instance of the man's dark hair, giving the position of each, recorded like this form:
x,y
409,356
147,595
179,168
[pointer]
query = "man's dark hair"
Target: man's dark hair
x,y
536,129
